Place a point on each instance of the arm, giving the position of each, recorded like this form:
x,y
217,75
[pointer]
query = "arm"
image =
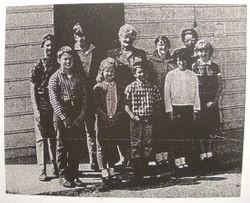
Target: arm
x,y
197,105
128,104
167,95
130,113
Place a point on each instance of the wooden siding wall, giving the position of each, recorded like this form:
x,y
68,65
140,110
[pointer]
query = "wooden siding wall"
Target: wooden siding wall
x,y
223,25
25,27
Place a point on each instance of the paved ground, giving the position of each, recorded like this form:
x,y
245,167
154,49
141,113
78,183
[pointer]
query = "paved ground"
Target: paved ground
x,y
22,179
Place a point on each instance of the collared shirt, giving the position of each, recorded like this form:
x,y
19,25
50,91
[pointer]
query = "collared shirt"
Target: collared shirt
x,y
40,75
208,78
181,89
111,99
85,56
63,89
142,97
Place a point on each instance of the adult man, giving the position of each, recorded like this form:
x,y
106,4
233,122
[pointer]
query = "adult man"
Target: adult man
x,y
43,113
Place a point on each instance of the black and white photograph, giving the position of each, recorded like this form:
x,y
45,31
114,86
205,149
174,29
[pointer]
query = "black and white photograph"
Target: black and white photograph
x,y
125,100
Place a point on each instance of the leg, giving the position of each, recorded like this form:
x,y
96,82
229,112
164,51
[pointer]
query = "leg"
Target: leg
x,y
41,143
91,137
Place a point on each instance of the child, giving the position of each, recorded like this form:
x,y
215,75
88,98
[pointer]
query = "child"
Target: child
x,y
68,97
142,104
210,85
43,112
181,97
111,119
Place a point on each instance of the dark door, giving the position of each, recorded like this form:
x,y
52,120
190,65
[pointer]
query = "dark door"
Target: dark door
x,y
101,21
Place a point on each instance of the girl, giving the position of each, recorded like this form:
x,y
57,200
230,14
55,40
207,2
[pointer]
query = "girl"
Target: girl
x,y
111,120
210,85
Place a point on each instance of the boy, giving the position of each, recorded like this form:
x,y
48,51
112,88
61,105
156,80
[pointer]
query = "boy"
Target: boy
x,y
182,103
142,104
43,112
68,98
88,60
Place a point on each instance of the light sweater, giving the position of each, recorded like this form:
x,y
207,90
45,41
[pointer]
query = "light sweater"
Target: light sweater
x,y
181,89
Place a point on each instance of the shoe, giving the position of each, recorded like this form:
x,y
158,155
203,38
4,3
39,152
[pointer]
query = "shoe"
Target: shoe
x,y
69,184
79,183
43,176
94,167
104,187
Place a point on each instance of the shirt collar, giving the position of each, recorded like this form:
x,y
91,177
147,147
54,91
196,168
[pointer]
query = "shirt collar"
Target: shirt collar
x,y
204,63
109,83
77,47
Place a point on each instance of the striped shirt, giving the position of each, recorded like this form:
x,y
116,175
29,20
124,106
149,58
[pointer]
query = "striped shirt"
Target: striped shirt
x,y
64,89
142,97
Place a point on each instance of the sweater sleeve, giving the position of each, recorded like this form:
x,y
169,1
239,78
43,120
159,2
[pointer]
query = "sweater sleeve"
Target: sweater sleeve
x,y
197,105
167,94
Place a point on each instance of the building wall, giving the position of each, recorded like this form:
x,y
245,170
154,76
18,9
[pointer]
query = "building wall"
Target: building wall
x,y
223,25
25,27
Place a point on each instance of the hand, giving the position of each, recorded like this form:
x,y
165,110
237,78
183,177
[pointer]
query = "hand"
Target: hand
x,y
171,115
135,118
78,121
67,123
196,115
37,115
210,105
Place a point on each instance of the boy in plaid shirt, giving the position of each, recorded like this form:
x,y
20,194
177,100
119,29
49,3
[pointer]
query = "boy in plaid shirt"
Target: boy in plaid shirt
x,y
142,104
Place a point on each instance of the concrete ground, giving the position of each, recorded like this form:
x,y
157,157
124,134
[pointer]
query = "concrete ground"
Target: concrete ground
x,y
23,179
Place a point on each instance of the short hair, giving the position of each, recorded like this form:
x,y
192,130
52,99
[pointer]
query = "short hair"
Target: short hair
x,y
64,49
127,29
46,38
181,54
204,44
78,29
106,63
139,64
164,39
189,31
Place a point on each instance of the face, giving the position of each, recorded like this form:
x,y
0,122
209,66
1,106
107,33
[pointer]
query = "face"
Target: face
x,y
161,47
189,41
140,74
181,64
126,40
66,61
109,74
48,48
203,54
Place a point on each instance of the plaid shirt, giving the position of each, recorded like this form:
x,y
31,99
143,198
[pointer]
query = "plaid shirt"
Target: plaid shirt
x,y
208,79
63,89
142,97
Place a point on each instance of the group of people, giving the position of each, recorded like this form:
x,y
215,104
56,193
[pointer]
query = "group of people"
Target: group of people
x,y
134,110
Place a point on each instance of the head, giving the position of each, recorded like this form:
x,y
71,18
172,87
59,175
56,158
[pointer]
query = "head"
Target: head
x,y
48,45
204,50
181,60
106,70
65,58
139,71
189,37
79,34
162,44
127,35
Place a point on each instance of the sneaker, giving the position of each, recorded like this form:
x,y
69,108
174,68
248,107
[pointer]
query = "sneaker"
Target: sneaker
x,y
43,176
69,184
79,183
